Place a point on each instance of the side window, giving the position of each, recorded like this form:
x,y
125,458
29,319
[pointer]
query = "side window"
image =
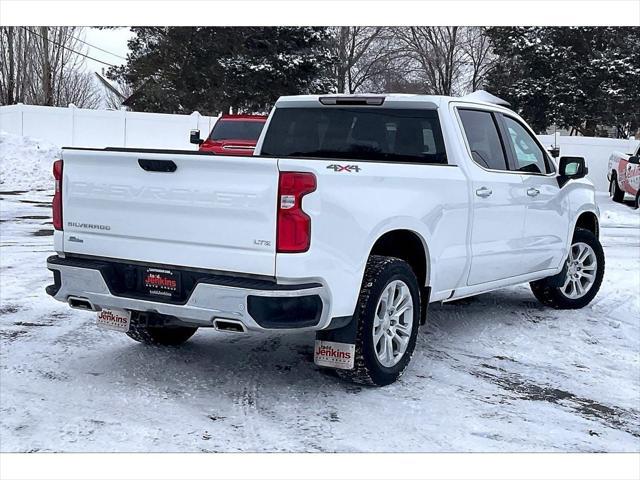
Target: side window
x,y
529,157
482,134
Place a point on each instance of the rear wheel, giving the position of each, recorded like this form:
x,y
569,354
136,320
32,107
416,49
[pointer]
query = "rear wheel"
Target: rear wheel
x,y
614,190
148,328
388,314
581,278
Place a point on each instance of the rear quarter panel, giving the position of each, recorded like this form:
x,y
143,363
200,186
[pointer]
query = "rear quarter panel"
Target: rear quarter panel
x,y
351,210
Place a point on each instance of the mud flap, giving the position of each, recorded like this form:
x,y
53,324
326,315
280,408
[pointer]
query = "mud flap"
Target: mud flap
x,y
425,296
558,279
335,348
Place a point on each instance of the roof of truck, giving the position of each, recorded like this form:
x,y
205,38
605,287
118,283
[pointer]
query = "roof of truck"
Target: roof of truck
x,y
479,97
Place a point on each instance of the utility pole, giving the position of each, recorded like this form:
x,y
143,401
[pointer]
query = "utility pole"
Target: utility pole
x,y
46,68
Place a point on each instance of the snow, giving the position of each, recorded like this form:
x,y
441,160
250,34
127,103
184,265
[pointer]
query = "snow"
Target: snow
x,y
497,372
25,162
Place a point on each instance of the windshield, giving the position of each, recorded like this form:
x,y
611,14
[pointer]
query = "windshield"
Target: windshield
x,y
236,130
373,133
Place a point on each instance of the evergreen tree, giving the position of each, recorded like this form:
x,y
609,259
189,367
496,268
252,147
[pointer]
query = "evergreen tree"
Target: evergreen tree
x,y
575,77
212,69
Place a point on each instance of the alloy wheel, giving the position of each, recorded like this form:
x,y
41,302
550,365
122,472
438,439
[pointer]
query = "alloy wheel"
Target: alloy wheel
x,y
581,271
393,323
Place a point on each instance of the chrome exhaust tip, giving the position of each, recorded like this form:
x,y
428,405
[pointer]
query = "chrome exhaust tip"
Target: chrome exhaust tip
x,y
224,325
80,303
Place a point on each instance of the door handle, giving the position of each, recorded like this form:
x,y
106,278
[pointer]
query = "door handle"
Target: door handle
x,y
483,192
532,192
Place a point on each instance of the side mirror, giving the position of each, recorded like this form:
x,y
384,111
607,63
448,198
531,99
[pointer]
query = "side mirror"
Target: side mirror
x,y
555,151
572,168
635,159
195,137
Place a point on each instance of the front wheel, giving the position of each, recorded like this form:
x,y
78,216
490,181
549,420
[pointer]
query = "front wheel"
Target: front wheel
x,y
614,190
580,280
388,314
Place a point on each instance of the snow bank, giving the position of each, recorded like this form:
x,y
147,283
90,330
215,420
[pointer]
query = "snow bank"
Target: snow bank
x,y
25,162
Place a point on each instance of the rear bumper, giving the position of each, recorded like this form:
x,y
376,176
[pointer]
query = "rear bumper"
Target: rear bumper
x,y
256,303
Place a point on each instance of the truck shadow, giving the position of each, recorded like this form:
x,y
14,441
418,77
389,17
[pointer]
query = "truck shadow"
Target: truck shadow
x,y
212,358
273,377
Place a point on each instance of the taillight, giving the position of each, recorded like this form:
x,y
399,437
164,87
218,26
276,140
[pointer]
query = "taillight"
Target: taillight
x,y
294,226
57,197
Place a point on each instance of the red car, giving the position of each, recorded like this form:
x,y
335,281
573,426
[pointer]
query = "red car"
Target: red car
x,y
232,135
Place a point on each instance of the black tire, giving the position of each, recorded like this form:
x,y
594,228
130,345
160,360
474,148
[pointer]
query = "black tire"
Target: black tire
x,y
379,273
637,204
551,295
142,329
614,190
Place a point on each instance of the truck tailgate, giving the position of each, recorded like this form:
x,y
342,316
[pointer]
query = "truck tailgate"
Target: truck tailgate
x,y
211,212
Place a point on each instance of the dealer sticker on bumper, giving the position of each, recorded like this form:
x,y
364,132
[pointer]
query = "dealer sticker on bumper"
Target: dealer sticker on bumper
x,y
117,320
334,354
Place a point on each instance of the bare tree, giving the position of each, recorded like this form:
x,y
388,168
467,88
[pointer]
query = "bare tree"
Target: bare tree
x,y
435,60
362,54
437,54
16,66
396,75
45,66
8,64
80,89
478,56
447,60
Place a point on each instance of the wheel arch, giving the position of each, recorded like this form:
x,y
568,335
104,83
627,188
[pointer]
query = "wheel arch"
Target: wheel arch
x,y
407,245
589,221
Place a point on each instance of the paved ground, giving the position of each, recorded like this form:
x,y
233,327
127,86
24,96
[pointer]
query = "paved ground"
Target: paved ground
x,y
497,372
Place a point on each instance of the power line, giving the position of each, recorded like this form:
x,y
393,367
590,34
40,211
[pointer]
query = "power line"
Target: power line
x,y
70,49
98,48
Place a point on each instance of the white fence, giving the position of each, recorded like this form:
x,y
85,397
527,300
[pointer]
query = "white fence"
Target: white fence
x,y
78,127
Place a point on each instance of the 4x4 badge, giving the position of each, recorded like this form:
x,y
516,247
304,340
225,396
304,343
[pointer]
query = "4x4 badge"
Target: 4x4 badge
x,y
344,168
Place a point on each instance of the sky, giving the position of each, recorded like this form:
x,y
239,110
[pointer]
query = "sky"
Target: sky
x,y
114,41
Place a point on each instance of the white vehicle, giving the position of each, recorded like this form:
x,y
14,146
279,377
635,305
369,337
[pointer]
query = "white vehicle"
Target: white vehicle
x,y
623,174
353,215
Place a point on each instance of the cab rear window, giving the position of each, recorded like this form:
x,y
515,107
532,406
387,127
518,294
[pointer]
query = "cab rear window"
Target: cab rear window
x,y
360,133
236,130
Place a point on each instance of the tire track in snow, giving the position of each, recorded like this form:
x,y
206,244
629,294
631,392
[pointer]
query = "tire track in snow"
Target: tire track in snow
x,y
524,389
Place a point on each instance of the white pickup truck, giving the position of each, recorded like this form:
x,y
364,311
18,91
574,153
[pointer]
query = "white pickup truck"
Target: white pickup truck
x,y
354,213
